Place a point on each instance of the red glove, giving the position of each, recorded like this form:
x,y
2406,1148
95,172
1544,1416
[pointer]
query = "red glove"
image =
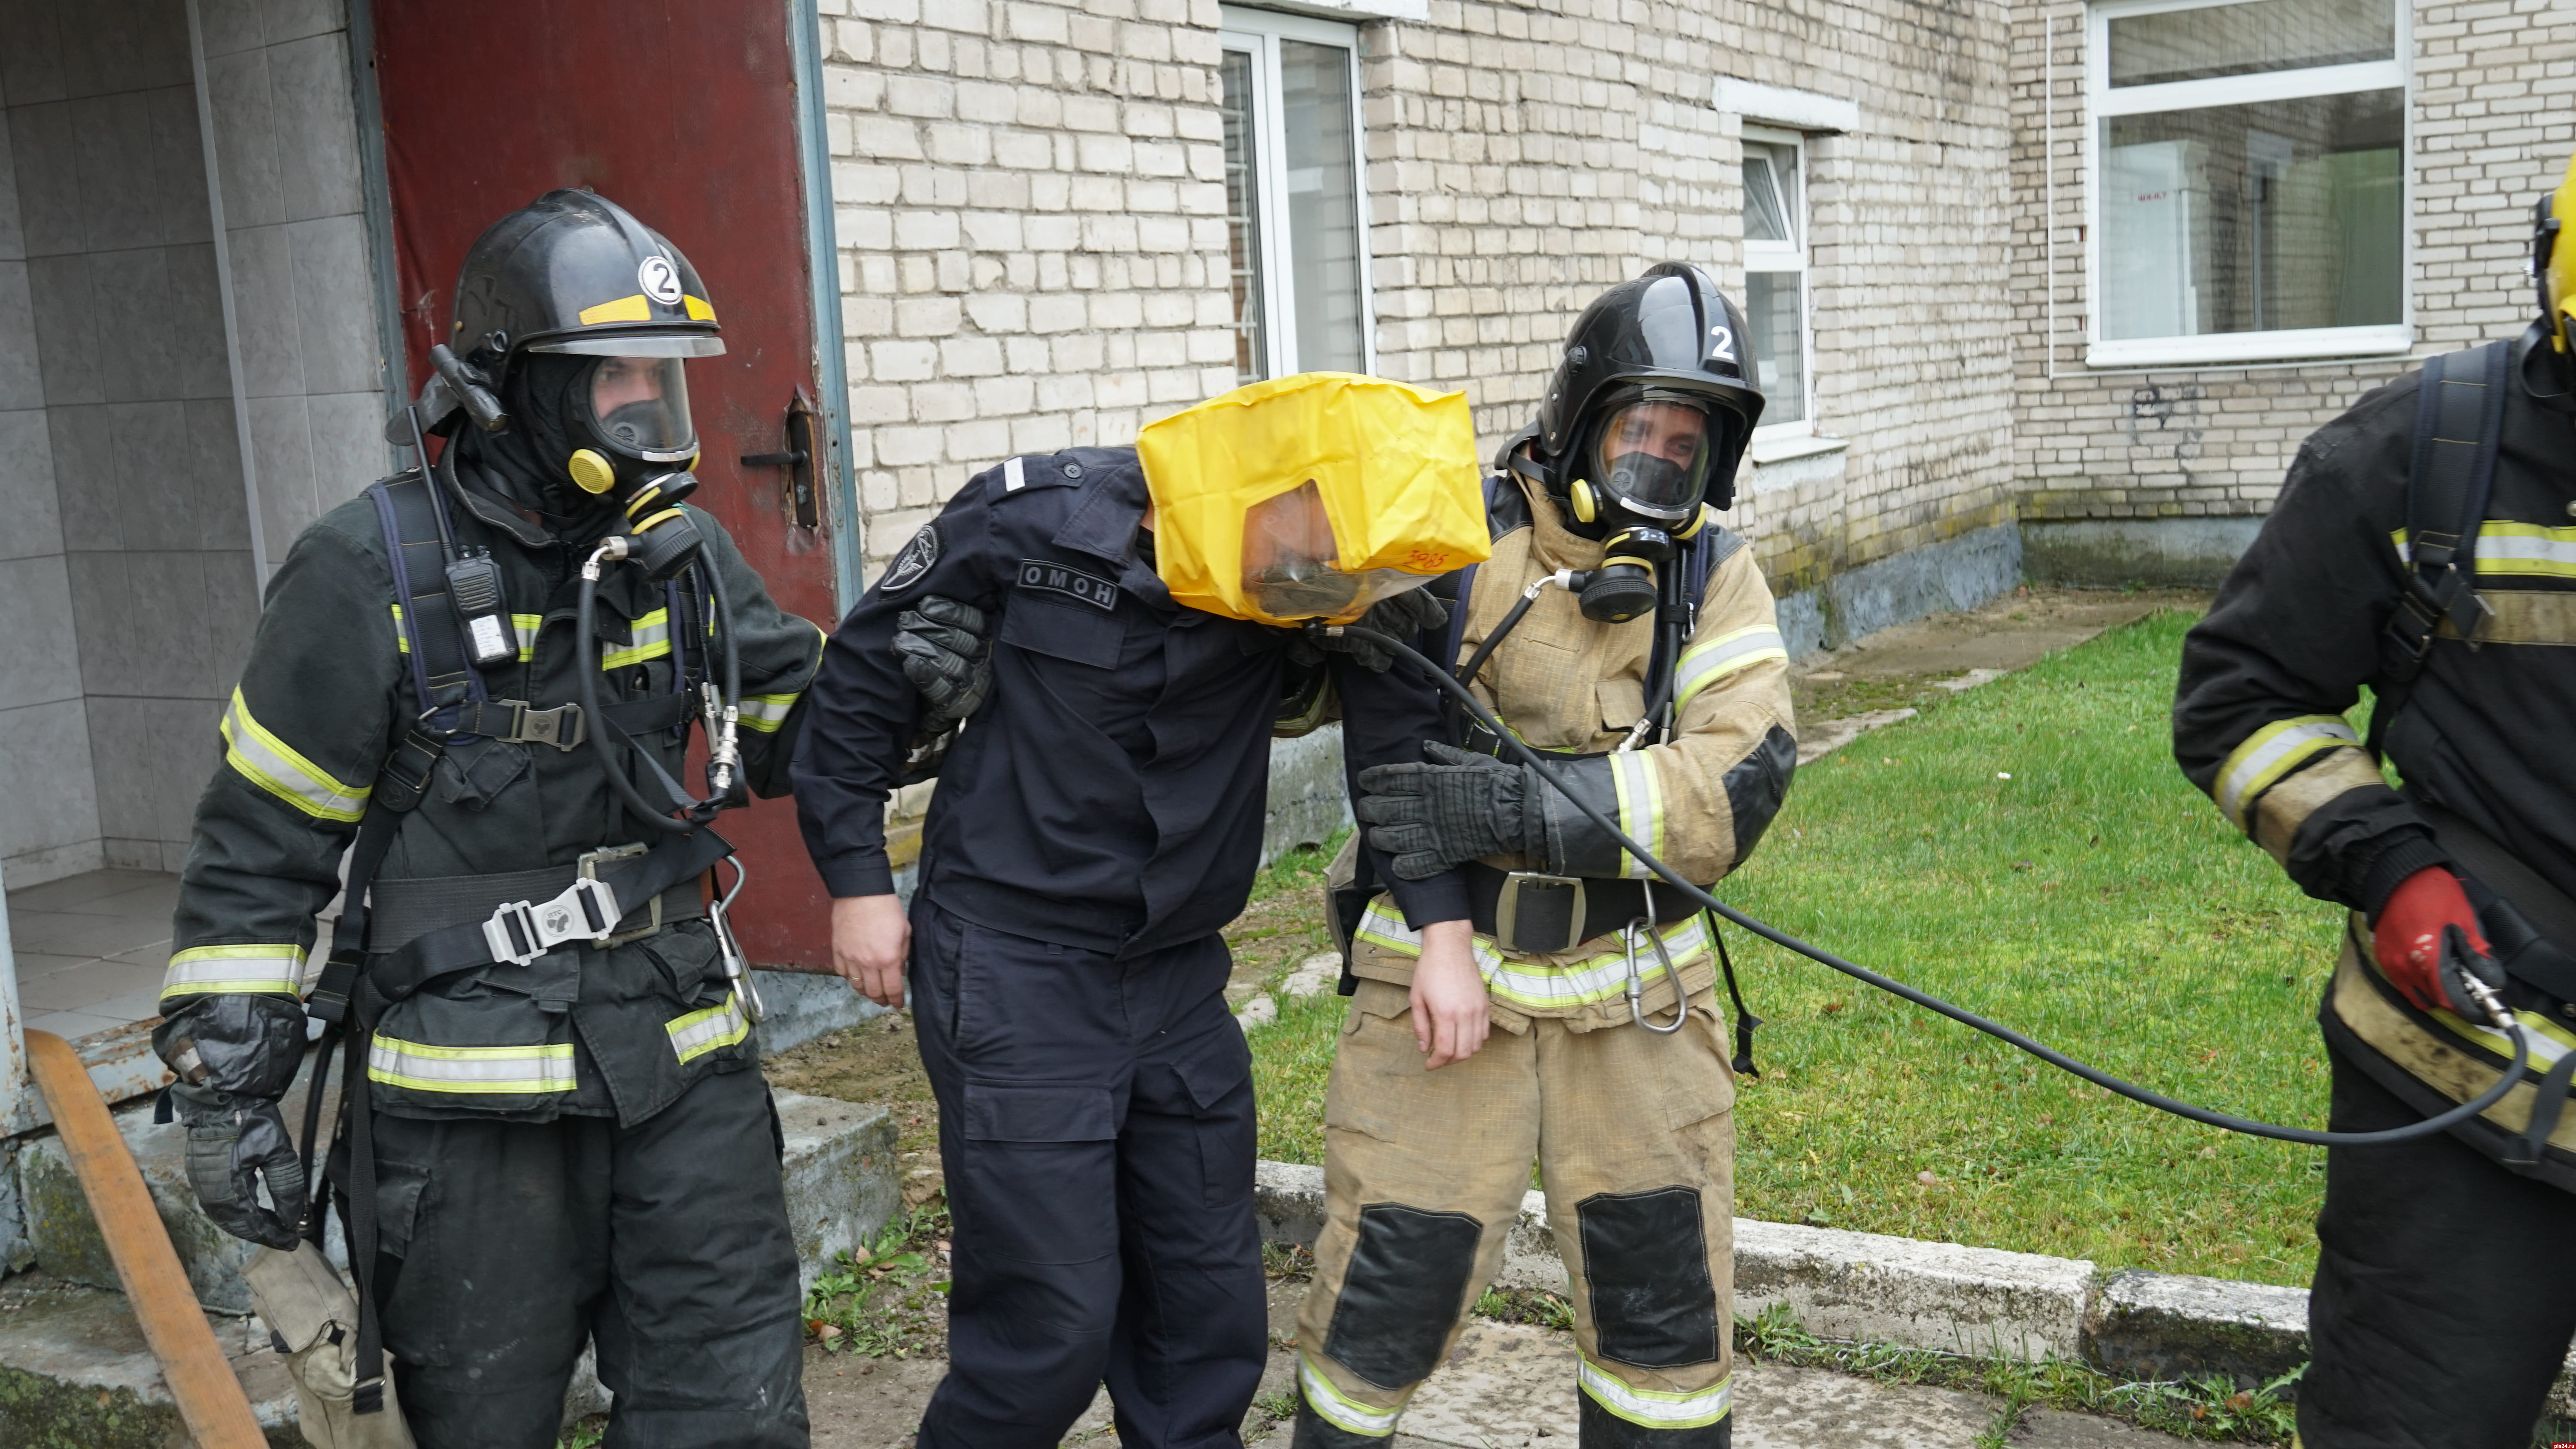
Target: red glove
x,y
2408,939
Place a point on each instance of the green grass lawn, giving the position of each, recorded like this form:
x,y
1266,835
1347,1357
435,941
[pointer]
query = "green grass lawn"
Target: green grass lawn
x,y
2093,899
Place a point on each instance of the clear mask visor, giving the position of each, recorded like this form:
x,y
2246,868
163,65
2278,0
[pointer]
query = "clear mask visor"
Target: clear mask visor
x,y
1291,563
642,406
1653,456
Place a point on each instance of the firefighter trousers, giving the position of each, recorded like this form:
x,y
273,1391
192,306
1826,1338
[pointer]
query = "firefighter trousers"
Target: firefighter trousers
x,y
1424,1173
1097,1134
2445,1293
504,1246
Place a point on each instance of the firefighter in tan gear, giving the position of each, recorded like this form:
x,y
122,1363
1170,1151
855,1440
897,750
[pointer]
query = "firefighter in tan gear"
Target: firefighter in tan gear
x,y
2422,546
1620,629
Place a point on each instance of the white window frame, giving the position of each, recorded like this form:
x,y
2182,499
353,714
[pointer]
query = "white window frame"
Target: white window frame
x,y
2222,348
1259,32
1798,257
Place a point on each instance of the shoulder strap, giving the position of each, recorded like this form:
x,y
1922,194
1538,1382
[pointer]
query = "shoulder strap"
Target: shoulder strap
x,y
2459,418
442,677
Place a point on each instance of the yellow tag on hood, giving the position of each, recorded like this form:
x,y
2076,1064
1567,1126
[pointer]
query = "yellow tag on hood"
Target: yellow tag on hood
x,y
1313,496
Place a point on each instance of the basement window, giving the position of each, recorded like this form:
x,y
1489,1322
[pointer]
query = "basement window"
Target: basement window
x,y
1296,245
2249,162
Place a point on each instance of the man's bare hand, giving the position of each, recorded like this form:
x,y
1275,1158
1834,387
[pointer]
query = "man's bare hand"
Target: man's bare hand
x,y
1449,1015
870,939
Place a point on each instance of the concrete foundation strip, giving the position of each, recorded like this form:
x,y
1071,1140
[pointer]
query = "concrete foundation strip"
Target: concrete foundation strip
x,y
1984,1302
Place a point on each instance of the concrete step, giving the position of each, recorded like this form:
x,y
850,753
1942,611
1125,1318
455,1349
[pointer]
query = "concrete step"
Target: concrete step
x,y
76,1374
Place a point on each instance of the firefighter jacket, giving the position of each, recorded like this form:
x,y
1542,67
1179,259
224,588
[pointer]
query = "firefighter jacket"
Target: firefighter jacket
x,y
326,694
2479,738
1567,684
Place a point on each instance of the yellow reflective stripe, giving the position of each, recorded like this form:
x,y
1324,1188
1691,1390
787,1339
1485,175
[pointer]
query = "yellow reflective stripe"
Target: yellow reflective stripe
x,y
1710,660
698,309
525,626
273,765
650,639
625,309
700,1032
515,1070
1656,1408
2526,550
1342,1413
766,712
2271,752
1603,977
225,970
1641,809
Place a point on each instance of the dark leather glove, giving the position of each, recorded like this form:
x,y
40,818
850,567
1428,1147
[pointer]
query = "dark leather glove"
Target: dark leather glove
x,y
948,655
1427,818
1402,615
233,1144
2409,936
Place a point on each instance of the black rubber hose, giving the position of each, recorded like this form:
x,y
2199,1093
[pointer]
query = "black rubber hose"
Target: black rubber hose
x,y
2430,1126
585,667
1485,651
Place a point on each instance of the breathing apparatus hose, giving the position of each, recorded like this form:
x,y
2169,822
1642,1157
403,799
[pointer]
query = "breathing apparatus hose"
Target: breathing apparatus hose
x,y
722,719
2430,1126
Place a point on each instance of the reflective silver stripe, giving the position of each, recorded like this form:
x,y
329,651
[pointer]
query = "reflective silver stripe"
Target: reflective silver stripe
x,y
228,970
2269,753
1710,660
524,626
273,765
1522,983
1641,809
1342,1413
510,1070
766,712
1655,1408
648,638
700,1032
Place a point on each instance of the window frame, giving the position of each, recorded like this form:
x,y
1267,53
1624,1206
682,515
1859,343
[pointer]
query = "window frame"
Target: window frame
x,y
1258,33
1778,257
2103,102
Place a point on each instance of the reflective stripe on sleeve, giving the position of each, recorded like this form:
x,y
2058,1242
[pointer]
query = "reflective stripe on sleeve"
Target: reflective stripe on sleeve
x,y
510,1070
1341,1413
2526,550
1655,1408
649,638
1710,660
1535,984
273,765
235,970
1641,808
700,1032
2271,752
766,712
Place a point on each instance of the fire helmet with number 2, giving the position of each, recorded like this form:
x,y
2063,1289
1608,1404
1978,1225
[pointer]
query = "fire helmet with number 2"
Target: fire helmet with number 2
x,y
1650,408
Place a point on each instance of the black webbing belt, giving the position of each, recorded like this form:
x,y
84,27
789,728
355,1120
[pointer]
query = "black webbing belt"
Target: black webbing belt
x,y
1544,915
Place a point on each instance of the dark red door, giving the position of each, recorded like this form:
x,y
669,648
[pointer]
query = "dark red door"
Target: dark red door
x,y
684,112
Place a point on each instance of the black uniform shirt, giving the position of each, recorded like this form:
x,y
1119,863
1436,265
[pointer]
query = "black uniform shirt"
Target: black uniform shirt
x,y
1109,794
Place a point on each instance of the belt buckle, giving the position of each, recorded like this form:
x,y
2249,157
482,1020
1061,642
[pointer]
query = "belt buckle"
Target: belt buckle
x,y
588,869
521,931
1507,910
562,727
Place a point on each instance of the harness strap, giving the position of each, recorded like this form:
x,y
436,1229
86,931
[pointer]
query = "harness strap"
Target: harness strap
x,y
2459,416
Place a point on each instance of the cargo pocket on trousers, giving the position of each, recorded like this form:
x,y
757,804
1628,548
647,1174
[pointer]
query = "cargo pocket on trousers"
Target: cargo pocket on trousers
x,y
407,1232
1038,1112
1377,1044
1219,1083
1700,1085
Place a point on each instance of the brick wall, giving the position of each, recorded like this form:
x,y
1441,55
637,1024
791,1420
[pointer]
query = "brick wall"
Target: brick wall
x,y
2491,124
1032,230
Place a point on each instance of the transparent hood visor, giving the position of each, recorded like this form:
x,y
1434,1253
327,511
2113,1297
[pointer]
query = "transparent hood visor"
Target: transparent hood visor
x,y
1653,456
1291,564
641,405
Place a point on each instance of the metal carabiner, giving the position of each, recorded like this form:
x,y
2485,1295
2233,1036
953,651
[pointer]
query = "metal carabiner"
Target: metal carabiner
x,y
1637,985
737,975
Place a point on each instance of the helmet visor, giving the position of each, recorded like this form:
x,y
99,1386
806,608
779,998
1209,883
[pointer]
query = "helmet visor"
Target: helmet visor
x,y
1653,456
642,407
1292,565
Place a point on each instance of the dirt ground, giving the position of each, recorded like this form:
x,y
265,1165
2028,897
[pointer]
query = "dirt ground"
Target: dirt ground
x,y
1898,667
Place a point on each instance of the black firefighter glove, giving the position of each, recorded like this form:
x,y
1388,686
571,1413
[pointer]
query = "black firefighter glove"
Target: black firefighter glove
x,y
1404,616
1462,806
233,1143
947,656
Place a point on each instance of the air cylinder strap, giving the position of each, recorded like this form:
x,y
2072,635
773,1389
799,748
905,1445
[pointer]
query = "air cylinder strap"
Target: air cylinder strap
x,y
2459,422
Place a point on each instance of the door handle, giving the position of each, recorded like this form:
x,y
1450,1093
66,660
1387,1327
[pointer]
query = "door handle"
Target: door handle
x,y
803,440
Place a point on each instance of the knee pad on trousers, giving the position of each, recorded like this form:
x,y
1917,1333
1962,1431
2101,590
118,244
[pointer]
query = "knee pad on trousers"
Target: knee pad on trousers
x,y
1602,1429
1402,1291
1645,1262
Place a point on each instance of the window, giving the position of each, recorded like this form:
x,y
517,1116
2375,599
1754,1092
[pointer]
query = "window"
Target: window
x,y
2249,197
1775,277
1293,196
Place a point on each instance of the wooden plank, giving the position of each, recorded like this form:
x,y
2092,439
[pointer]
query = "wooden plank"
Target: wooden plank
x,y
210,1399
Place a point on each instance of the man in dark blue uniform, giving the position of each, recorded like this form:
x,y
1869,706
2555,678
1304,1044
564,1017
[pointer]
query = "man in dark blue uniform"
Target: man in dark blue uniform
x,y
1094,828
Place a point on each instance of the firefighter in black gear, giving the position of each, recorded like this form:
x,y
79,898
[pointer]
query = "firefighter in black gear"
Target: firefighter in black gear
x,y
2444,1295
1097,821
565,1144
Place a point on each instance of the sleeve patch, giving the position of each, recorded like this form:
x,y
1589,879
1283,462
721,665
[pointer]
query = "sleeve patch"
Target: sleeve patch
x,y
913,563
